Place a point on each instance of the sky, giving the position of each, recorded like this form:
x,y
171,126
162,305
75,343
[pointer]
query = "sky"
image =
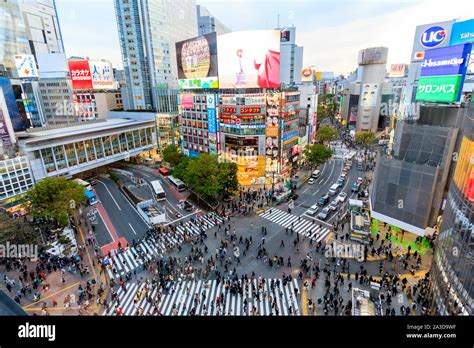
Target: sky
x,y
331,31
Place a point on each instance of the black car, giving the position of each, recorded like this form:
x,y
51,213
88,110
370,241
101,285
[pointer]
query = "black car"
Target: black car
x,y
323,200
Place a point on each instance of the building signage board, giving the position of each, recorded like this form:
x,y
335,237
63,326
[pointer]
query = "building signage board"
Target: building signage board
x,y
211,114
451,60
429,36
442,89
102,75
462,32
80,74
26,65
397,70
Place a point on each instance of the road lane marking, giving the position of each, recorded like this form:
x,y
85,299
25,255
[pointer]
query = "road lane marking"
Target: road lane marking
x,y
107,227
110,194
133,230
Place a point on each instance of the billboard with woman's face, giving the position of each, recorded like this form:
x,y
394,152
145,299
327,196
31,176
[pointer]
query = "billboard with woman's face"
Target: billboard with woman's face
x,y
197,62
249,59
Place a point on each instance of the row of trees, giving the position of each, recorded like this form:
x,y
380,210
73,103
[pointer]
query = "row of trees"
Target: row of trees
x,y
209,178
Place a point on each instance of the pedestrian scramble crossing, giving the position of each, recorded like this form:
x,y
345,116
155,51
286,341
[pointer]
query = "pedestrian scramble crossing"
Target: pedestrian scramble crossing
x,y
135,256
200,297
306,228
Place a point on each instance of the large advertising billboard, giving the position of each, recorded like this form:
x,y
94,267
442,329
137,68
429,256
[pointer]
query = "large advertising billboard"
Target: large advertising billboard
x,y
464,174
442,89
102,75
211,114
80,74
26,65
307,75
451,60
429,36
397,70
462,32
197,62
91,74
249,59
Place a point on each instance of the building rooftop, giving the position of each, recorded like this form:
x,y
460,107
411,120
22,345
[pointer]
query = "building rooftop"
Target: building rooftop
x,y
77,129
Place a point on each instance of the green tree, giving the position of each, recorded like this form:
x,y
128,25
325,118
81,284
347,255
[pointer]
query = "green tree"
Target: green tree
x,y
227,178
365,138
316,154
202,176
172,155
326,133
16,231
180,170
322,112
56,198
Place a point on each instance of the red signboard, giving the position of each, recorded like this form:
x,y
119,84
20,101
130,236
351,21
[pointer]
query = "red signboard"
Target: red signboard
x,y
229,109
250,110
80,74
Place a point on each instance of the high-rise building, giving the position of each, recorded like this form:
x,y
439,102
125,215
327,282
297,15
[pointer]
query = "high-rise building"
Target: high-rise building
x,y
42,26
207,23
453,262
291,57
14,39
148,31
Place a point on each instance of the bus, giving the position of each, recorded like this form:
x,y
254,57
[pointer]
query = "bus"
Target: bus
x,y
178,184
84,183
163,171
91,197
158,190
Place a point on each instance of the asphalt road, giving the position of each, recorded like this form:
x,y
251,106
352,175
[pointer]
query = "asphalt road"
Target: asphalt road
x,y
126,220
310,194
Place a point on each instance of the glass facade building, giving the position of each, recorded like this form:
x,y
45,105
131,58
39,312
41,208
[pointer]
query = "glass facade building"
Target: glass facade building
x,y
15,177
453,262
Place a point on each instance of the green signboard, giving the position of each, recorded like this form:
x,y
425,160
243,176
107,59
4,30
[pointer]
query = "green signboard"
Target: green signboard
x,y
441,89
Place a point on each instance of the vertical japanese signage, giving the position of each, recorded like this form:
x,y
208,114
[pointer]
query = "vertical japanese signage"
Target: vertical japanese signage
x,y
80,74
212,122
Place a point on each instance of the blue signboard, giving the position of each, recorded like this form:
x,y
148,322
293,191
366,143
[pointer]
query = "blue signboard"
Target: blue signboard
x,y
462,32
433,36
451,60
211,114
290,135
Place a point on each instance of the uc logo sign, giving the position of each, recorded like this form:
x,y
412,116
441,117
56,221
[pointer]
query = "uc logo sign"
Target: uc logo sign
x,y
433,36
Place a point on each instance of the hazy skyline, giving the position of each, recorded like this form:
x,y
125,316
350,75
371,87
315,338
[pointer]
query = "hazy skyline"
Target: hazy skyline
x,y
332,32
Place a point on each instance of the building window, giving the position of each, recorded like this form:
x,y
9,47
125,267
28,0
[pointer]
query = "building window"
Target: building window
x,y
60,158
98,148
71,155
48,160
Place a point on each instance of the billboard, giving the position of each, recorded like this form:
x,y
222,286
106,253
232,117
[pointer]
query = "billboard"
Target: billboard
x,y
197,62
211,114
442,89
307,75
102,75
318,75
26,65
5,126
464,173
249,59
80,74
451,60
285,36
462,32
374,55
429,36
397,70
187,101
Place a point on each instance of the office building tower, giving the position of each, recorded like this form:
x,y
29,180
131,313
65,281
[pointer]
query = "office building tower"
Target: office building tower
x,y
207,23
148,31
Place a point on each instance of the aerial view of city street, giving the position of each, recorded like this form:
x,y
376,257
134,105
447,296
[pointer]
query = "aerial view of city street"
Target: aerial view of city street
x,y
236,158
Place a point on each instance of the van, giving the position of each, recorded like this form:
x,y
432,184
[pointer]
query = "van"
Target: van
x,y
316,174
333,189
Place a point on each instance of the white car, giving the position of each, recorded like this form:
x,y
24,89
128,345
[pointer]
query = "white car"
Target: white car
x,y
333,205
342,197
311,181
313,210
359,180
